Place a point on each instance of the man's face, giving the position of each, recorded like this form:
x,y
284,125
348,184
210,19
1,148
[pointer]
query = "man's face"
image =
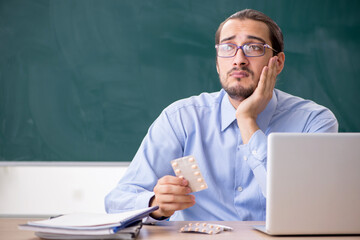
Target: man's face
x,y
239,75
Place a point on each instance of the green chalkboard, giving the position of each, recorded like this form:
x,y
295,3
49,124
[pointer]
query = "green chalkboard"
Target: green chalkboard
x,y
84,80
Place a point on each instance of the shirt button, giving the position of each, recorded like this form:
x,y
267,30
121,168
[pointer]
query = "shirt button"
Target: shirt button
x,y
240,189
245,158
254,152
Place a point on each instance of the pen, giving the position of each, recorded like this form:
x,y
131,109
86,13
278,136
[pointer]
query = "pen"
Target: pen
x,y
115,229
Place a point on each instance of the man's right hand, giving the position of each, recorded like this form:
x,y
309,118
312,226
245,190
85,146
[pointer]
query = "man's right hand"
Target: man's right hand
x,y
171,194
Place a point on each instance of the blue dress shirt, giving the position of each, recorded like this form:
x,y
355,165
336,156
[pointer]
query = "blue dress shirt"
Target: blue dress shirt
x,y
205,126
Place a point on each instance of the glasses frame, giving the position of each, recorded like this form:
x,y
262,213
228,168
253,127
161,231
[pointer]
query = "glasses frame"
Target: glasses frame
x,y
242,48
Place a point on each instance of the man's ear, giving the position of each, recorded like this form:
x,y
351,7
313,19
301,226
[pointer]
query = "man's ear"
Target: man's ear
x,y
217,67
280,62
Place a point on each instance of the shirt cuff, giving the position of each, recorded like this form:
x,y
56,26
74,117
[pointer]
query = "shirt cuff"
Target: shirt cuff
x,y
255,151
143,199
150,220
255,154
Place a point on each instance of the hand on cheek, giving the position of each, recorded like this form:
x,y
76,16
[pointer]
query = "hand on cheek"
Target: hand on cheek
x,y
250,108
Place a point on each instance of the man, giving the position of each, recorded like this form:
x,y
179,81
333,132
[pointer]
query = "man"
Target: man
x,y
225,131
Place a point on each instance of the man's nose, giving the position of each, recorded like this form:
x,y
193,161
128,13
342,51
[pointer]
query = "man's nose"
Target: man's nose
x,y
240,59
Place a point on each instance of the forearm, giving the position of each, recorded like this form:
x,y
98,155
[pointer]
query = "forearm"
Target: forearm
x,y
151,162
255,155
127,197
247,127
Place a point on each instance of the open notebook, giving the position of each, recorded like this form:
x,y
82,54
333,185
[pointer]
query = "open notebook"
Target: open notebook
x,y
92,225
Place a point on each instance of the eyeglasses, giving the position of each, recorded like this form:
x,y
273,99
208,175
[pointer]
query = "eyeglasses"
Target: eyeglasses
x,y
227,50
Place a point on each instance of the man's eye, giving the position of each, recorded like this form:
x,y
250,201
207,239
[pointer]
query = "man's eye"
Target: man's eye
x,y
227,47
255,47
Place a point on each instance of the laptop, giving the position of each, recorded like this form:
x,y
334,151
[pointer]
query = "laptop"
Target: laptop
x,y
313,184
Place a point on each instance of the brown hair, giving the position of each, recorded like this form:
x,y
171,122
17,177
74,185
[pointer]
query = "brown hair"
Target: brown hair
x,y
276,36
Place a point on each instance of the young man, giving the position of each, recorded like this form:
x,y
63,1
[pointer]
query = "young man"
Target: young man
x,y
225,131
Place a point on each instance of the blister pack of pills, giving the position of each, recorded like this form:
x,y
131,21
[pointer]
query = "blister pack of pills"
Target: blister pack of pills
x,y
187,167
207,228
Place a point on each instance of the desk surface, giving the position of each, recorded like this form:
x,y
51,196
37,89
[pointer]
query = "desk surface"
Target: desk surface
x,y
165,230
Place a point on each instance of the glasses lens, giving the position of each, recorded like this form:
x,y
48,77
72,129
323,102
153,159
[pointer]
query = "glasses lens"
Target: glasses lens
x,y
254,49
226,50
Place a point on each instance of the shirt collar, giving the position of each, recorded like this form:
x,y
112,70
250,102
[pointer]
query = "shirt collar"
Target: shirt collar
x,y
228,113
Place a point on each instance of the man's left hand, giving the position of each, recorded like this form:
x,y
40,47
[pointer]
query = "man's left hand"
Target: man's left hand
x,y
250,108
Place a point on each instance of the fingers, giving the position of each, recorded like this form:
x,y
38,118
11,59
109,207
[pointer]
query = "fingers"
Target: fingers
x,y
268,78
166,209
172,185
272,72
262,82
171,194
173,180
170,198
171,189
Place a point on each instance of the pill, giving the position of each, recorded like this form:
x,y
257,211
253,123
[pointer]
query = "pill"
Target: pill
x,y
187,168
207,228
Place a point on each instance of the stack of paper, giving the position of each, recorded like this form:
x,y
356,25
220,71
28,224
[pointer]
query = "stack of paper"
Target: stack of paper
x,y
125,225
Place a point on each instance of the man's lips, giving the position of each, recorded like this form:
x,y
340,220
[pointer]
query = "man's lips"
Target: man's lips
x,y
239,74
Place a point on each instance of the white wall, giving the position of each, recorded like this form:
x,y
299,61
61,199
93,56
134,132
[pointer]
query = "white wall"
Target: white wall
x,y
52,190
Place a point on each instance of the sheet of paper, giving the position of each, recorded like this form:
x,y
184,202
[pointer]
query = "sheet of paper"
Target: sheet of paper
x,y
90,220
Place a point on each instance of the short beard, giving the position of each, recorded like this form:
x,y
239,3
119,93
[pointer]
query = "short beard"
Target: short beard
x,y
239,93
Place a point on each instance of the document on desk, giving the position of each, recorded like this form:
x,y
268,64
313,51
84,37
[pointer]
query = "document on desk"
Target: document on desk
x,y
75,225
130,232
92,221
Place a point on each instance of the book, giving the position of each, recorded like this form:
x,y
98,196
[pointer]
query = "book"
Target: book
x,y
90,225
128,233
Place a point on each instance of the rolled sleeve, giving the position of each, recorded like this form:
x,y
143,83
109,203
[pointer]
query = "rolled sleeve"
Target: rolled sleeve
x,y
143,199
